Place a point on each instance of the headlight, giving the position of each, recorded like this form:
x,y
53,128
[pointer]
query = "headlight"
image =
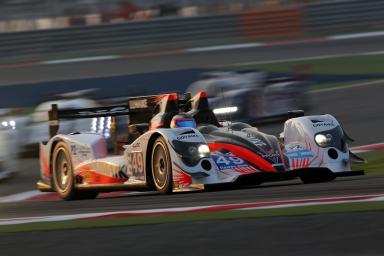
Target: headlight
x,y
191,152
203,150
11,124
226,110
323,140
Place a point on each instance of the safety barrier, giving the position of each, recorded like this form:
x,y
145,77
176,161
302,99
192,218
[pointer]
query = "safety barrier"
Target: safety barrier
x,y
271,22
176,33
344,16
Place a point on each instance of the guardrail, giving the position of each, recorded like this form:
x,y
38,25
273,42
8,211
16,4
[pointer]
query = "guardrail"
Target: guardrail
x,y
131,36
344,16
176,33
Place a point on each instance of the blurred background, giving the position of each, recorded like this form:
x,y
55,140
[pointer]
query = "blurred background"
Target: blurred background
x,y
257,59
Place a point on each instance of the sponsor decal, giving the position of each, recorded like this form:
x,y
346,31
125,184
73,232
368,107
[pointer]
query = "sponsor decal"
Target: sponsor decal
x,y
323,124
187,136
136,145
80,151
228,161
231,162
300,153
294,147
256,141
270,155
102,112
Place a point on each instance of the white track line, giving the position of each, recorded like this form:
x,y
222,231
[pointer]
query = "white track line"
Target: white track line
x,y
356,35
237,46
20,196
224,47
85,59
376,199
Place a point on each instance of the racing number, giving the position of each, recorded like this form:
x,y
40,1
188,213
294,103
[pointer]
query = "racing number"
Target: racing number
x,y
136,163
229,161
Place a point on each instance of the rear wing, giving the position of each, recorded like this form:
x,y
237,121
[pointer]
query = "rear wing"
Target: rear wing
x,y
139,109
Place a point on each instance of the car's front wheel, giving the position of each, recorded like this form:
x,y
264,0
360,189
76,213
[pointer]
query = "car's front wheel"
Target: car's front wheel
x,y
161,167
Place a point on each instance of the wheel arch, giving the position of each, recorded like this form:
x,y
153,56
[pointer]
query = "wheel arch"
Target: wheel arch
x,y
51,151
148,171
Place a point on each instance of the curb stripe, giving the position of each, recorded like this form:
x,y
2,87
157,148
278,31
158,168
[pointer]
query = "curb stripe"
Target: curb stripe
x,y
214,208
372,147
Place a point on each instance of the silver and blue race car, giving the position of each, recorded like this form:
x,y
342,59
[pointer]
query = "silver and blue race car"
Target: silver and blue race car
x,y
175,143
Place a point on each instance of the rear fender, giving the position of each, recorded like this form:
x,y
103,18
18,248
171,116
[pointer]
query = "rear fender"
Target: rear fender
x,y
82,147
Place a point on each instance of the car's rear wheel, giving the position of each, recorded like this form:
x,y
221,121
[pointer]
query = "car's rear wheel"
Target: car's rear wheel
x,y
63,176
161,167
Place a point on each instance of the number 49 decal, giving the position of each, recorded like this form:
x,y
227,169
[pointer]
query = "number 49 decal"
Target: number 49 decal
x,y
226,162
136,163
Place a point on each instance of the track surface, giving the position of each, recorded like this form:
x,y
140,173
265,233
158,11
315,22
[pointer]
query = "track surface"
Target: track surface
x,y
332,234
359,109
185,60
265,193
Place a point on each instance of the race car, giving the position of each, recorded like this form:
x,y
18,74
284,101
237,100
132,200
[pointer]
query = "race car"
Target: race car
x,y
252,96
8,150
175,143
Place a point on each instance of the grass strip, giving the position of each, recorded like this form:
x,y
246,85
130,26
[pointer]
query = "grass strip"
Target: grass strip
x,y
375,163
196,216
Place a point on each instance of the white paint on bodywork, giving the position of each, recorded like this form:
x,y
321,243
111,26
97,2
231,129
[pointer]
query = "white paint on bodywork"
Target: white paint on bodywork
x,y
299,134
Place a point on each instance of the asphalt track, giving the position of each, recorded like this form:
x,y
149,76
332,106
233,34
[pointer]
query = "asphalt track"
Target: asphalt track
x,y
360,109
134,65
331,234
264,193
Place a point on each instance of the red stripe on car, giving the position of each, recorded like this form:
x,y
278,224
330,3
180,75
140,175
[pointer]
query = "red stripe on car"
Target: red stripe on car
x,y
245,154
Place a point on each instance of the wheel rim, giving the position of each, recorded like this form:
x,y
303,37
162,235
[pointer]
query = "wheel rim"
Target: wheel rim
x,y
160,165
62,170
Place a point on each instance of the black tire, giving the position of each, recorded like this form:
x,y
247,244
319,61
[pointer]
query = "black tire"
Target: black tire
x,y
317,178
161,167
63,177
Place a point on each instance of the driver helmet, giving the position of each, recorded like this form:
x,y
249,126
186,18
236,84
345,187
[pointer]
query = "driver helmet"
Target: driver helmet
x,y
183,120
